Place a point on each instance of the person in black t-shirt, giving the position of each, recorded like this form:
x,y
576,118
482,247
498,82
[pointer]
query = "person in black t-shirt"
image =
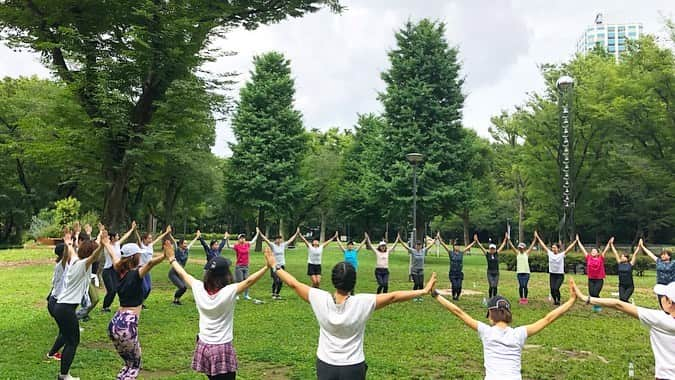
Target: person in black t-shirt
x,y
625,271
492,257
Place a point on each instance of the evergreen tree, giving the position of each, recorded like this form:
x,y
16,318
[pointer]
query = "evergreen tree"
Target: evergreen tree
x,y
270,143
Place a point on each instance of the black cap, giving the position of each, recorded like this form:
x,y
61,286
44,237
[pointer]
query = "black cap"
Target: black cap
x,y
218,265
59,249
497,302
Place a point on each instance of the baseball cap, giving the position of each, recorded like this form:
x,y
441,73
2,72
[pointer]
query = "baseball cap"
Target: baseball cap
x,y
382,243
497,302
130,249
240,236
666,290
521,245
218,265
492,246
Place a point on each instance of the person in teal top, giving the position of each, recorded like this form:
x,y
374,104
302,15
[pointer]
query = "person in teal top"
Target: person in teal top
x,y
351,254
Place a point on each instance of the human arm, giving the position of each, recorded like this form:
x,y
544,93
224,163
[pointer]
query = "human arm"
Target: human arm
x,y
169,254
203,242
127,234
385,299
361,244
456,310
430,244
616,254
480,246
300,289
292,238
97,252
613,303
224,242
339,243
468,247
513,247
647,251
610,242
192,242
325,243
633,259
398,239
571,246
265,239
304,240
501,246
255,238
556,313
138,236
581,246
252,279
143,270
440,240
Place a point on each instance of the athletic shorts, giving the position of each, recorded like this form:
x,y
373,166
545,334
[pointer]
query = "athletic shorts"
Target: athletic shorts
x,y
313,269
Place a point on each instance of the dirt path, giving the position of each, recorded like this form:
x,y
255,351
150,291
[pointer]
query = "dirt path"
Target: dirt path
x,y
25,263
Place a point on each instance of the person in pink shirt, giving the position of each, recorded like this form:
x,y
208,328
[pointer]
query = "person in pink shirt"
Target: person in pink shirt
x,y
242,249
595,269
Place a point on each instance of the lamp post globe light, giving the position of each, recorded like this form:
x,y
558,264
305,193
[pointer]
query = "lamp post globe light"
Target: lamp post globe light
x,y
565,85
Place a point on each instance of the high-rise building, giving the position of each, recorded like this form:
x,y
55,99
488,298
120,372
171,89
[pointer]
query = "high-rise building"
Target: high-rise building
x,y
611,37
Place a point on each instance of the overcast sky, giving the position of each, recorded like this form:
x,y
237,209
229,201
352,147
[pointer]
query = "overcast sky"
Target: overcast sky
x,y
336,60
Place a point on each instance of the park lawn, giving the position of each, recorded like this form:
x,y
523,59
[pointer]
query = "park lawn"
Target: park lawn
x,y
278,340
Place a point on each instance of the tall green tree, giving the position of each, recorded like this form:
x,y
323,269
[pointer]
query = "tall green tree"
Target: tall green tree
x,y
422,107
270,141
121,57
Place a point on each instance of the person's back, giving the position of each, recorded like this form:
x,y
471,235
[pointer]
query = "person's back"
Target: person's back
x,y
341,326
216,312
502,348
662,338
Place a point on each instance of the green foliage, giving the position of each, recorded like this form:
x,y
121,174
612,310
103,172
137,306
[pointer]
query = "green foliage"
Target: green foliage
x,y
43,225
66,211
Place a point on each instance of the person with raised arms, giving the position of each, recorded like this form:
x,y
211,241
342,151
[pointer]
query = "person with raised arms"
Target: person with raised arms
x,y
58,276
342,318
661,324
314,258
665,266
595,269
381,263
556,266
492,258
417,254
522,268
278,247
109,275
147,243
456,269
75,285
214,248
502,344
242,251
351,254
182,251
625,271
123,327
215,298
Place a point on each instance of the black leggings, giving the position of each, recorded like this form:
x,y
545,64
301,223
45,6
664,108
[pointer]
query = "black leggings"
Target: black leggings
x,y
224,376
418,279
625,292
59,341
176,280
594,287
69,329
276,282
456,281
493,283
555,281
382,278
325,371
110,280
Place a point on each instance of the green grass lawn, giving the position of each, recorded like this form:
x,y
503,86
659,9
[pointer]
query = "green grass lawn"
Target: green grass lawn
x,y
278,340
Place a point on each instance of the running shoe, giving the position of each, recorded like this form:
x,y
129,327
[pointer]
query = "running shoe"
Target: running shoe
x,y
247,297
56,356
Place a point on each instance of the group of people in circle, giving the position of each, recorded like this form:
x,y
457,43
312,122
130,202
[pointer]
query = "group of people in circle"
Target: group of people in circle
x,y
341,314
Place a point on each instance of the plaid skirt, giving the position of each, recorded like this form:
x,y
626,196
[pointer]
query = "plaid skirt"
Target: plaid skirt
x,y
214,359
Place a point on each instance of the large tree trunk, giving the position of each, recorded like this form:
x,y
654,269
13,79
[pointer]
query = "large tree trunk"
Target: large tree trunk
x,y
262,226
322,231
116,197
170,197
282,228
465,225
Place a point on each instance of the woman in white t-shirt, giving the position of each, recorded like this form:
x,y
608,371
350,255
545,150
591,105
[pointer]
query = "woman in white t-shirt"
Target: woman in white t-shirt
x,y
75,285
147,251
314,258
556,266
215,298
342,318
502,344
60,269
661,324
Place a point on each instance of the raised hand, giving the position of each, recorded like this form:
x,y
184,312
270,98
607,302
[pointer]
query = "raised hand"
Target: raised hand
x,y
431,284
168,249
269,258
199,234
475,237
168,229
133,225
105,239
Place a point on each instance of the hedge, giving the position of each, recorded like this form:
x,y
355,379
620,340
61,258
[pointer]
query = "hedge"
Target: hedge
x,y
574,263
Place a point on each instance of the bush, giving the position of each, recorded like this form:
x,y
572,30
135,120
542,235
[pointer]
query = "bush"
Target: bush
x,y
66,211
573,261
43,225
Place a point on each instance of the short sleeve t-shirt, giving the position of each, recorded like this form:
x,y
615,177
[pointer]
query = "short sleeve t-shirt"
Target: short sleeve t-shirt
x,y
341,327
279,251
146,253
417,259
57,279
502,350
556,263
625,272
215,312
382,259
108,260
665,271
522,263
351,256
314,255
243,253
492,262
662,337
456,262
75,282
130,289
595,267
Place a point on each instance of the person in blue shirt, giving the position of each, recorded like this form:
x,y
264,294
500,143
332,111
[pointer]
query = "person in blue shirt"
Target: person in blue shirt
x,y
214,249
351,254
182,251
417,255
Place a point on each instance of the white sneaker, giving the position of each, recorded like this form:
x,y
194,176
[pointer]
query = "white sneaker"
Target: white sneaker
x,y
237,298
247,297
68,377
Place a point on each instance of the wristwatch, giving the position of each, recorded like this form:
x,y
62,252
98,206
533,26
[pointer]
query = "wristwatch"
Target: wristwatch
x,y
435,293
588,300
171,261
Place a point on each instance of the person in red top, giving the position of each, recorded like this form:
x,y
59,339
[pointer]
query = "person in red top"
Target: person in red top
x,y
242,249
595,269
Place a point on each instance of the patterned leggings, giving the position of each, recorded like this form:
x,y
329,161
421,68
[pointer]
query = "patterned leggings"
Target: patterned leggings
x,y
123,331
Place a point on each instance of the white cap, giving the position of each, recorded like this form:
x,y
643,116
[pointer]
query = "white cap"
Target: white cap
x,y
382,243
491,246
666,290
130,249
521,245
